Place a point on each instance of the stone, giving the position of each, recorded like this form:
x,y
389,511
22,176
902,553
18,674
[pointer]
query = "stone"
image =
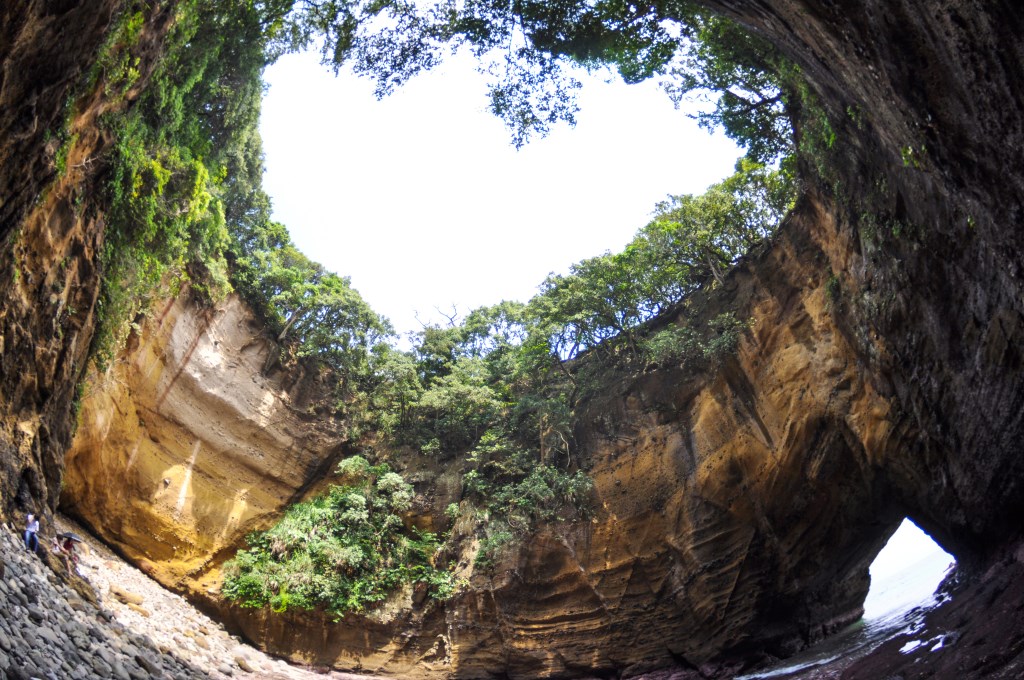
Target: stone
x,y
101,667
78,604
106,655
49,636
138,610
137,673
125,596
149,664
245,664
119,671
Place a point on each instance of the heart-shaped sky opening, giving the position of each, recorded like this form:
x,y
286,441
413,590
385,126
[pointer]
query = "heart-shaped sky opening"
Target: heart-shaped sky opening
x,y
423,201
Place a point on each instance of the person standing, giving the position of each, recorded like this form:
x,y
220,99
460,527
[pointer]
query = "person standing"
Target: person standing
x,y
31,533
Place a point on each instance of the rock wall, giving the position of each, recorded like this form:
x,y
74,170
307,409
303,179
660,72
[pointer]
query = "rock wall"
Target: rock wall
x,y
883,378
739,507
927,103
205,448
51,230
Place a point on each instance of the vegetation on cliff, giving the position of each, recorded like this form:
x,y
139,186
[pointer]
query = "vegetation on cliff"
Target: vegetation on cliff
x,y
185,176
343,551
503,386
498,391
185,189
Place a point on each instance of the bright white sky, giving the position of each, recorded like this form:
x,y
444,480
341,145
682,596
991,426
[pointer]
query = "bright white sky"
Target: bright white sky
x,y
908,545
422,200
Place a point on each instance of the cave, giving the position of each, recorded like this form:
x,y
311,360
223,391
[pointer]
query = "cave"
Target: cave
x,y
908,570
907,578
881,378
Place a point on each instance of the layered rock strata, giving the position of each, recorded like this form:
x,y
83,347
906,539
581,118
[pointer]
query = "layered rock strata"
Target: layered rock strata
x,y
51,230
204,446
739,506
927,107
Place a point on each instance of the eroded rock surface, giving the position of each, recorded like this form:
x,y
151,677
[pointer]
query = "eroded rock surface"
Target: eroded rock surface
x,y
203,446
51,230
738,507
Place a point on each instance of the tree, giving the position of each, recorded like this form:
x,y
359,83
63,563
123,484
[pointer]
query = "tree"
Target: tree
x,y
693,239
755,88
707,233
524,47
460,406
302,301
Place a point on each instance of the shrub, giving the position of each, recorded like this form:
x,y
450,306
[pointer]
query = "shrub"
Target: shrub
x,y
344,551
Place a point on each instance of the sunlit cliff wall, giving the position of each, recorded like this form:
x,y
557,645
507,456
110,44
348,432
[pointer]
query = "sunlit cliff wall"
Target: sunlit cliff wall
x,y
51,230
737,507
186,445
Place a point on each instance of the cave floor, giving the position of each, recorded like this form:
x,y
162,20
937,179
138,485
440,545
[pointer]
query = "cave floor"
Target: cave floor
x,y
175,626
977,634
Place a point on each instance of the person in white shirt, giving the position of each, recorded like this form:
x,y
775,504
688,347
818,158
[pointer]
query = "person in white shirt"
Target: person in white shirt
x,y
31,533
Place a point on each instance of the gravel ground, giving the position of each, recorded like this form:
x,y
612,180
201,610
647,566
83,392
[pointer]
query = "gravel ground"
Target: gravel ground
x,y
136,630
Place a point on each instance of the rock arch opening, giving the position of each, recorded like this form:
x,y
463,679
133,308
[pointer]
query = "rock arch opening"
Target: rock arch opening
x,y
922,286
905,574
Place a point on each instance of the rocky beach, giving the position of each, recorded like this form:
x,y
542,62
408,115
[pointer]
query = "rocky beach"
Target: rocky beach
x,y
112,622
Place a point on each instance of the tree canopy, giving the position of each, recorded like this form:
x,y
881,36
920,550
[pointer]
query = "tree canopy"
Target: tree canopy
x,y
187,178
692,240
525,46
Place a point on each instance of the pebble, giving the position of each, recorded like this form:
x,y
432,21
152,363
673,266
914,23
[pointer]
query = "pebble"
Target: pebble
x,y
48,631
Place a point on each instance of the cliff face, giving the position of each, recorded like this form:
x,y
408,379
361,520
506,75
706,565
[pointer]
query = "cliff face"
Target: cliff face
x,y
738,507
696,475
205,448
928,108
50,230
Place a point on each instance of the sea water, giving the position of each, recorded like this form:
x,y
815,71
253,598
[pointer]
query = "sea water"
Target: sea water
x,y
904,577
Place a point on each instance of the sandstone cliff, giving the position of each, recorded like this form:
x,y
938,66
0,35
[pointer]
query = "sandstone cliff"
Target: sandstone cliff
x,y
51,230
203,446
739,507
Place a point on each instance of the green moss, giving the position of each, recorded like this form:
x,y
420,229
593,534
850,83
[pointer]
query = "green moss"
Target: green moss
x,y
833,290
